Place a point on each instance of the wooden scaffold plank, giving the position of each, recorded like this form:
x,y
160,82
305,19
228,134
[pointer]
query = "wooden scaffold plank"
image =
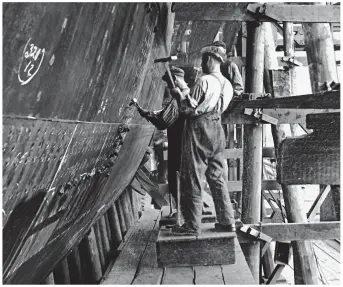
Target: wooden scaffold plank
x,y
125,267
178,276
148,271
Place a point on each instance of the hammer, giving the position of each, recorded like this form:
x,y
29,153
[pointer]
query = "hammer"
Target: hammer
x,y
166,61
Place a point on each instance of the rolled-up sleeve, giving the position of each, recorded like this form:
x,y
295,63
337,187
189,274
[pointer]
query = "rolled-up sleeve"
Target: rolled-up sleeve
x,y
237,81
197,93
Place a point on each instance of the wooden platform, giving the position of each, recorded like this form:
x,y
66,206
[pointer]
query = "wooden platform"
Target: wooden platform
x,y
209,248
137,262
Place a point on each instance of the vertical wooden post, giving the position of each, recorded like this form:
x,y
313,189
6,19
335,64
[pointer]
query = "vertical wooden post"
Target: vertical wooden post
x,y
49,280
126,209
104,239
61,273
252,146
89,253
270,62
113,220
134,203
232,163
119,208
75,268
305,270
99,244
108,230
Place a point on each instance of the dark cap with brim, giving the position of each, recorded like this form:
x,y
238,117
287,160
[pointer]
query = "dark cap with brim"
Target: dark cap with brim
x,y
175,71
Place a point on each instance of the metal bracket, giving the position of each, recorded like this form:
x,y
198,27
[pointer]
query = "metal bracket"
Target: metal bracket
x,y
258,235
291,62
257,113
260,12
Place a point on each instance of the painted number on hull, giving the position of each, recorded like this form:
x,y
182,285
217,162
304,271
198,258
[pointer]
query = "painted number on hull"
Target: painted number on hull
x,y
32,60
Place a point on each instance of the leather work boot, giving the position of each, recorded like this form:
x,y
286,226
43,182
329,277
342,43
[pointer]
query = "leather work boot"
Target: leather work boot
x,y
228,228
224,227
185,230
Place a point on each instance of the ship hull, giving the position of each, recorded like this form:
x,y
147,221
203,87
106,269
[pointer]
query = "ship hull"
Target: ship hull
x,y
71,142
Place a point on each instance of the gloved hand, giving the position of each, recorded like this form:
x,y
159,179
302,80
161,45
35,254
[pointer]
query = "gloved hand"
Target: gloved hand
x,y
143,112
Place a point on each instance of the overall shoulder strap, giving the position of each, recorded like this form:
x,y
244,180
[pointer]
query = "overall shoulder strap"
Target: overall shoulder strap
x,y
221,96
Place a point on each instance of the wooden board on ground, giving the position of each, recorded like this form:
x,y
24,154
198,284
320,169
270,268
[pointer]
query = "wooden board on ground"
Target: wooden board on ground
x,y
209,248
124,268
208,275
178,276
148,271
238,273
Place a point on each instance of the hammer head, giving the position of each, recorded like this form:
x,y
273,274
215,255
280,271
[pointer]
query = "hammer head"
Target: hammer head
x,y
165,60
133,102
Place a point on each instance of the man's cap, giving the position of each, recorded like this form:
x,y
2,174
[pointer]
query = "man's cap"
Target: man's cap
x,y
215,51
219,44
174,71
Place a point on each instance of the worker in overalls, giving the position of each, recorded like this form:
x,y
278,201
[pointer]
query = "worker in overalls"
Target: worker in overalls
x,y
231,71
203,144
170,119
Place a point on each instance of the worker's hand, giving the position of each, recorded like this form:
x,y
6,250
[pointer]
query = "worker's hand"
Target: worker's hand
x,y
176,92
192,102
144,113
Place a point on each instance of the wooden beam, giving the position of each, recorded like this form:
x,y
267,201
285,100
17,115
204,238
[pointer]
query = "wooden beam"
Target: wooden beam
x,y
321,100
275,275
273,13
265,185
297,231
238,153
318,202
241,61
284,116
299,13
